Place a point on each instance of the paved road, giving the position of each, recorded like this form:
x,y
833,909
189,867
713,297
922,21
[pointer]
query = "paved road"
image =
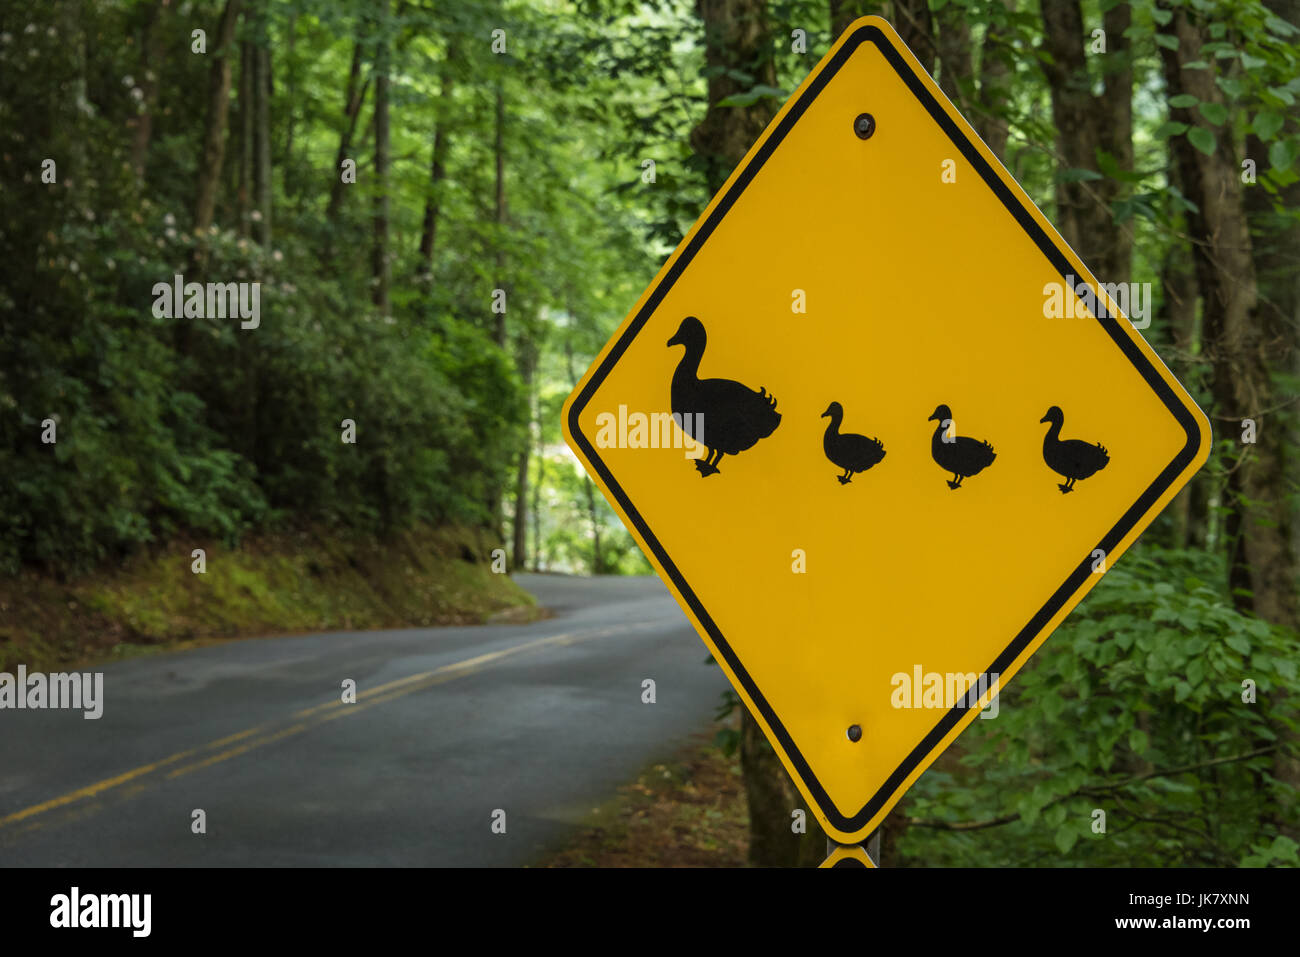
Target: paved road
x,y
543,721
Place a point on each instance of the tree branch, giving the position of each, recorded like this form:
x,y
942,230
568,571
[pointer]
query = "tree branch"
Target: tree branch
x,y
1089,791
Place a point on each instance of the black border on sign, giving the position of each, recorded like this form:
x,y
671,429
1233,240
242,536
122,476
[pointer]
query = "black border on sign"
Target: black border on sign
x,y
1108,543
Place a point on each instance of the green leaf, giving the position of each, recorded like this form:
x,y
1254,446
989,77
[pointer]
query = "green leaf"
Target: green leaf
x,y
1195,671
1231,85
1161,16
1267,124
1166,41
1279,26
1238,644
1170,128
1053,705
752,96
1279,155
1202,139
1137,740
1196,65
1252,62
1183,101
1077,175
1066,837
1216,113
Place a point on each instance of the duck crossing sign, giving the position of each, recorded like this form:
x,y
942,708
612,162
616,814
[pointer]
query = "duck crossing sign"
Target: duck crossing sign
x,y
878,428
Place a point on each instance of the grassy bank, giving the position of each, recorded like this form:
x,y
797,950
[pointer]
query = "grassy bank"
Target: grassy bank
x,y
304,581
688,811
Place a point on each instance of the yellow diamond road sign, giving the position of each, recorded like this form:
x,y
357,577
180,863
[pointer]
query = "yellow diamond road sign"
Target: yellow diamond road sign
x,y
924,430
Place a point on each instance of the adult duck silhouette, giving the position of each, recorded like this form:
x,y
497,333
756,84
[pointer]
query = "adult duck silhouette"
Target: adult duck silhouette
x,y
1073,458
961,456
853,453
726,417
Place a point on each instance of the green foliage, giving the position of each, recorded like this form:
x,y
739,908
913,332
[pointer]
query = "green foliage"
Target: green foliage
x,y
1133,707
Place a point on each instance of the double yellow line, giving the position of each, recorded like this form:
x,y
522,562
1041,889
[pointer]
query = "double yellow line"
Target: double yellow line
x,y
223,749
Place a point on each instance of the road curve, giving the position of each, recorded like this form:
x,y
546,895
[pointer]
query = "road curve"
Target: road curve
x,y
542,721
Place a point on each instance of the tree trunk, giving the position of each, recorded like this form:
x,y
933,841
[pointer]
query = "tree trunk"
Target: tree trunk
x,y
597,562
290,120
1178,314
499,149
381,268
244,195
1240,344
956,68
519,529
911,18
262,132
537,500
995,88
844,12
1086,125
437,172
153,51
737,44
214,132
737,56
352,101
593,516
1276,251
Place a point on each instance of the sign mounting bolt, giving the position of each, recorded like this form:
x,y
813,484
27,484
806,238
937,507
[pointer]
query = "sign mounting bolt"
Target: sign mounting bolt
x,y
864,126
855,732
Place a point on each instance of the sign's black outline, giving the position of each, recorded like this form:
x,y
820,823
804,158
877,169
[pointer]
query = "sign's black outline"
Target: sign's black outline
x,y
1181,413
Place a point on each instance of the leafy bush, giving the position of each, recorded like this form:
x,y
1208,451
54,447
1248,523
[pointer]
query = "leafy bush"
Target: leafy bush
x,y
1134,708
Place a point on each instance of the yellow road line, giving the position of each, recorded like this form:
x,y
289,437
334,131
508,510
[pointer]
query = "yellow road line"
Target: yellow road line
x,y
325,712
113,782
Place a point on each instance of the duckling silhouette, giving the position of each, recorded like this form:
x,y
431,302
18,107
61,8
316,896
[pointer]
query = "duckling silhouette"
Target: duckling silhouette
x,y
1073,458
726,417
853,453
961,456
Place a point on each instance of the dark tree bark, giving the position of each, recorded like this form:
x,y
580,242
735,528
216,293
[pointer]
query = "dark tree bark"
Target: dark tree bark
x,y
537,501
381,267
956,67
262,133
737,39
1276,250
597,562
214,132
1240,344
247,110
437,172
994,88
153,50
519,529
352,101
291,119
844,12
737,56
1086,124
1178,314
499,150
911,18
1237,341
